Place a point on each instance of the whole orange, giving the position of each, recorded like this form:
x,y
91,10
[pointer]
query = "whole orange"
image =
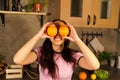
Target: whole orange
x,y
52,30
63,30
82,75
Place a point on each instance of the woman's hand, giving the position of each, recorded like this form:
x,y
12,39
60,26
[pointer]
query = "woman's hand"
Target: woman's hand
x,y
42,33
73,34
89,60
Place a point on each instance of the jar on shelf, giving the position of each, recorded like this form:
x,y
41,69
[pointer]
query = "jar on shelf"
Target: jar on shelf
x,y
37,7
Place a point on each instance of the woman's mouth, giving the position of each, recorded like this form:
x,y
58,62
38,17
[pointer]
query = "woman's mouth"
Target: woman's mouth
x,y
57,38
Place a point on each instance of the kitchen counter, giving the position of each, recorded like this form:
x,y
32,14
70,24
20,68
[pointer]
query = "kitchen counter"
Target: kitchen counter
x,y
114,74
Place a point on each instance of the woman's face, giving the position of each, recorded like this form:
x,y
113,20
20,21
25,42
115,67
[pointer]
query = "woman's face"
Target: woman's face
x,y
58,40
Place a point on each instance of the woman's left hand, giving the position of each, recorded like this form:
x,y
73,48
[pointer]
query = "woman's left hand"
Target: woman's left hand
x,y
73,34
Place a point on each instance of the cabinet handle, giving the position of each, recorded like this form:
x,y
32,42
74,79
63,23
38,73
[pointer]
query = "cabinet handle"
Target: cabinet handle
x,y
94,20
88,20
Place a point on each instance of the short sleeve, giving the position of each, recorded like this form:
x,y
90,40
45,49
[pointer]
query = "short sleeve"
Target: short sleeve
x,y
37,51
77,56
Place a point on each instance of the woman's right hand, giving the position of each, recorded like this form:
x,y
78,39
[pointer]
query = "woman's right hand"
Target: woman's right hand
x,y
42,33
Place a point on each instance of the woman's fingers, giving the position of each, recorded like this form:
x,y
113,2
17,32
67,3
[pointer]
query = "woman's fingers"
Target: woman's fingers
x,y
46,25
69,38
73,34
42,33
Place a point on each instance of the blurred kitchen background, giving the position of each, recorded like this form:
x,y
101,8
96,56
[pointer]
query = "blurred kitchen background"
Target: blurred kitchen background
x,y
19,29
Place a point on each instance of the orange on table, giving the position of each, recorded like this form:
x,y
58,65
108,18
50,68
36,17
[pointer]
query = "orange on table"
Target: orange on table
x,y
63,30
82,75
52,30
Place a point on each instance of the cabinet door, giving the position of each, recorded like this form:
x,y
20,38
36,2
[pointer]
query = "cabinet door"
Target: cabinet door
x,y
72,11
90,13
105,13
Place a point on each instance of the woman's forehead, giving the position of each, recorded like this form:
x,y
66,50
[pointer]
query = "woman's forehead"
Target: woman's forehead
x,y
60,22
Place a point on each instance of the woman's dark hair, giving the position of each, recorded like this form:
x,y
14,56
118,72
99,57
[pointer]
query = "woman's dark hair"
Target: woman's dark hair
x,y
55,20
47,56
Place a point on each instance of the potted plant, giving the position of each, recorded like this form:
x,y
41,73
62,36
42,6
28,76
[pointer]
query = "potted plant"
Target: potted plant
x,y
35,5
106,56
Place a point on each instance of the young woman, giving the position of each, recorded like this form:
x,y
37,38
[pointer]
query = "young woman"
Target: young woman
x,y
56,59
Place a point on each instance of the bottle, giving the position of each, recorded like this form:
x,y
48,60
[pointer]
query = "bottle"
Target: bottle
x,y
14,8
18,5
14,5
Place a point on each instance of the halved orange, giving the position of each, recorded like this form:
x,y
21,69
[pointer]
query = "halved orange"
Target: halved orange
x,y
63,30
52,30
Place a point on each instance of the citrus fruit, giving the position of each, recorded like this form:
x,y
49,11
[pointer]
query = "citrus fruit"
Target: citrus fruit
x,y
82,75
93,76
52,30
63,30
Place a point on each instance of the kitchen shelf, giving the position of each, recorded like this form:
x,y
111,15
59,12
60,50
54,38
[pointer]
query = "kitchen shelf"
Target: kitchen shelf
x,y
27,13
41,14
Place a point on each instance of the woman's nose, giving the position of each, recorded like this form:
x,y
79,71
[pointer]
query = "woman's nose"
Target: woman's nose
x,y
58,35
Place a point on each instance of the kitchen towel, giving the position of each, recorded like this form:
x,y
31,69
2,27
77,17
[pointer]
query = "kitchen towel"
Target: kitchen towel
x,y
97,46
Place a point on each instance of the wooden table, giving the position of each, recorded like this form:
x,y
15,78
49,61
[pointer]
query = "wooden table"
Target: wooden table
x,y
114,74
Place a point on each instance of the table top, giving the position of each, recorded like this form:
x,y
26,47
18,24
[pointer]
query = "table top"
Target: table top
x,y
114,74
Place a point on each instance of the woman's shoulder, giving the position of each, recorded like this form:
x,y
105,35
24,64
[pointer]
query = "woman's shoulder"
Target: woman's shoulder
x,y
37,49
76,53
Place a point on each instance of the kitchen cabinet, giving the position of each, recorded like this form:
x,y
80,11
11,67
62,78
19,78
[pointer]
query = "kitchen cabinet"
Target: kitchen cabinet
x,y
90,13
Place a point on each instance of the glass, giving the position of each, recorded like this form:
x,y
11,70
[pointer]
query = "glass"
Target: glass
x,y
76,8
106,9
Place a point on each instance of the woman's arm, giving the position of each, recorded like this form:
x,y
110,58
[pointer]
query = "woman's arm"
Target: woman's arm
x,y
89,60
25,54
